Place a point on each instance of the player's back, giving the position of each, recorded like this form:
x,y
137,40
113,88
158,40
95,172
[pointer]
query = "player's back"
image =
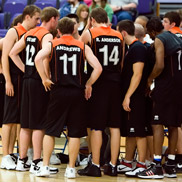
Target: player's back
x,y
169,82
107,45
67,62
33,39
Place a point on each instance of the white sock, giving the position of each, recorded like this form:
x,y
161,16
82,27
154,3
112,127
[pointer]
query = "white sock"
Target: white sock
x,y
112,164
96,165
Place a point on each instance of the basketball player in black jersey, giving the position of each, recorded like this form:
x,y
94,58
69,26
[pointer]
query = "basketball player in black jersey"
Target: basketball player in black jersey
x,y
166,95
66,105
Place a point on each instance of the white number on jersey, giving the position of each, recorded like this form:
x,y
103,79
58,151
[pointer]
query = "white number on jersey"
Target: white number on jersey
x,y
179,59
30,51
114,57
65,62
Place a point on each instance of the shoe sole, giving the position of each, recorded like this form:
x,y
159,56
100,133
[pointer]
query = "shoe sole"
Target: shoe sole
x,y
170,175
151,177
22,170
54,172
3,167
46,175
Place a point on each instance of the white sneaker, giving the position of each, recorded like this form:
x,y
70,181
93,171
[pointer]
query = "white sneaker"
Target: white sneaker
x,y
7,162
37,166
43,172
54,160
124,167
22,164
134,172
70,172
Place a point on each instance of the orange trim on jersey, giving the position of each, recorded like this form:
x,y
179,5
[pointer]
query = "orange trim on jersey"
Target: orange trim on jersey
x,y
175,30
56,77
144,42
38,32
67,40
51,51
20,30
104,31
134,41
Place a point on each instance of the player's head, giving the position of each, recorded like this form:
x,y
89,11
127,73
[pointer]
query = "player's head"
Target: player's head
x,y
139,31
17,20
65,26
126,26
99,16
142,20
50,15
171,19
31,15
75,19
154,27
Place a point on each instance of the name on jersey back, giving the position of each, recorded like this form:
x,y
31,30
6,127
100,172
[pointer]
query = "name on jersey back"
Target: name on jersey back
x,y
107,39
70,49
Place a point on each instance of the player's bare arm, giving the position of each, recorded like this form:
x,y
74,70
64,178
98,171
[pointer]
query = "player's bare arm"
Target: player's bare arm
x,y
97,70
9,40
135,81
85,37
39,63
159,64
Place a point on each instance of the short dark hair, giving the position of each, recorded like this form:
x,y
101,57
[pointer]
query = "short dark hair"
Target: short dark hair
x,y
154,24
49,12
126,25
173,17
30,10
75,16
66,25
99,14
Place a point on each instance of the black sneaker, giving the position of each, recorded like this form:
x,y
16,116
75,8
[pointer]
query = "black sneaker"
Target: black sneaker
x,y
110,170
178,168
90,170
63,157
83,172
153,172
170,171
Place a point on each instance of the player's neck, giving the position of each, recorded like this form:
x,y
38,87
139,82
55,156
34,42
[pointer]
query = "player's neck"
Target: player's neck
x,y
130,39
25,25
46,25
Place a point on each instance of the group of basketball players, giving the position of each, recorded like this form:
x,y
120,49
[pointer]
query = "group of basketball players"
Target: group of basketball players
x,y
105,79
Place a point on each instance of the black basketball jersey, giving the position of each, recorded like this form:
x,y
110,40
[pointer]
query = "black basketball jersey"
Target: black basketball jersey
x,y
150,62
168,85
67,62
137,52
13,68
33,39
107,45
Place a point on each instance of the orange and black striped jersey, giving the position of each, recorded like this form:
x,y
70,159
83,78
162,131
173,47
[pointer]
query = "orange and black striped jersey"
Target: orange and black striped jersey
x,y
13,68
67,62
33,39
107,45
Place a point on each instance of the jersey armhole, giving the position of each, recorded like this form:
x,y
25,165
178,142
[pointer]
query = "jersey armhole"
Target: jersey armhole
x,y
51,54
91,38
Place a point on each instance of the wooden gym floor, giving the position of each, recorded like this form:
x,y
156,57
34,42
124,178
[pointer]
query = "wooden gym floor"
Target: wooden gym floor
x,y
14,176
